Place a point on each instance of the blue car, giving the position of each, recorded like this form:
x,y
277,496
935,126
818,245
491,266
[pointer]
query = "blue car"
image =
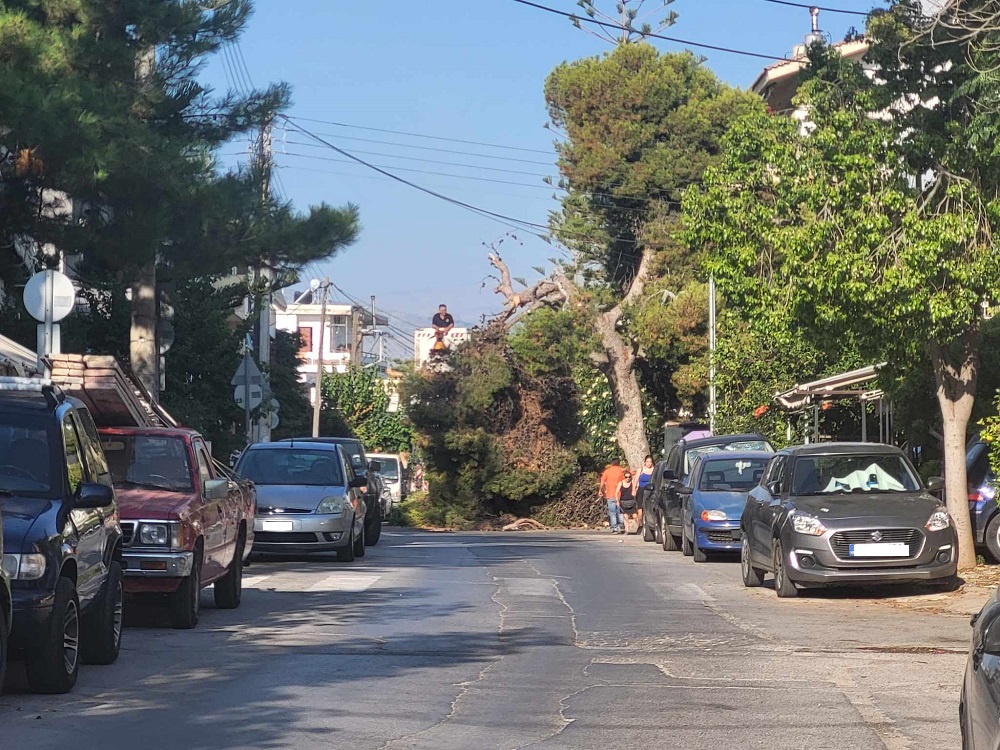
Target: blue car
x,y
714,497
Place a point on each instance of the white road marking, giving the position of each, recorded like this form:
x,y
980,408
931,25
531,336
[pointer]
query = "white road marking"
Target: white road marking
x,y
252,582
344,582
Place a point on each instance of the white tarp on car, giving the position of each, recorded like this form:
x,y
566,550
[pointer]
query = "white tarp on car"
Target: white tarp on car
x,y
873,479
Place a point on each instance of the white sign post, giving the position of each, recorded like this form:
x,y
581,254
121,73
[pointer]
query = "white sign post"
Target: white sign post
x,y
49,296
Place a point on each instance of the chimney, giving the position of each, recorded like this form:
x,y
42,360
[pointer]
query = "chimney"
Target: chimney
x,y
815,35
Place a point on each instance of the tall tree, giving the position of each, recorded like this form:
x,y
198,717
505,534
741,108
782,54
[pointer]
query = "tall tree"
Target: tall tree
x,y
639,127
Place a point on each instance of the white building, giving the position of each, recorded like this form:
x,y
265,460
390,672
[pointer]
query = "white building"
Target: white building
x,y
423,342
346,327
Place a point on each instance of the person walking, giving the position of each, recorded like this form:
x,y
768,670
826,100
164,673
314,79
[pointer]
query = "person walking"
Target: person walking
x,y
644,481
608,490
627,501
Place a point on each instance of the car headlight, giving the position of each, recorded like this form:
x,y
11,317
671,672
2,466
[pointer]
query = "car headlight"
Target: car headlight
x,y
714,515
24,567
331,506
807,525
154,534
387,493
939,521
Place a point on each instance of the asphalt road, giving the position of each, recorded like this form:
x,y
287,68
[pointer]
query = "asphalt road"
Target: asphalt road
x,y
479,641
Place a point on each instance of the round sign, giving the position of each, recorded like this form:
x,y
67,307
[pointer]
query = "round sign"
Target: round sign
x,y
49,289
165,335
256,396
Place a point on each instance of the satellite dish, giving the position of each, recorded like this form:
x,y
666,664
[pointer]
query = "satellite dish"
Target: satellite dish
x,y
314,284
38,290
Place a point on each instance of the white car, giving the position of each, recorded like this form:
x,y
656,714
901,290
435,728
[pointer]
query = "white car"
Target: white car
x,y
392,475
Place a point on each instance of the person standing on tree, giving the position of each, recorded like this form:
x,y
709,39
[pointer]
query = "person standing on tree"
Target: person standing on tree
x,y
608,490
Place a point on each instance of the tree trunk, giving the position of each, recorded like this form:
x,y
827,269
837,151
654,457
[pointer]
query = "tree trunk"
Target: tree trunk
x,y
620,369
956,370
143,355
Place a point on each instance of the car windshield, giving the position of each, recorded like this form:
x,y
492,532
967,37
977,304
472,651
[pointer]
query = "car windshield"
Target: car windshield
x,y
296,466
153,461
732,475
390,469
855,473
26,464
691,454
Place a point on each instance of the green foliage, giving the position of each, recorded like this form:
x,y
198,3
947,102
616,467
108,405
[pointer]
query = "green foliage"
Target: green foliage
x,y
553,342
361,399
597,417
296,411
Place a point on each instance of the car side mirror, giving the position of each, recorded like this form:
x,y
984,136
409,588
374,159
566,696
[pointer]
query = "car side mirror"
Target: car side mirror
x,y
375,466
935,484
357,482
774,488
93,495
685,490
990,644
216,489
669,475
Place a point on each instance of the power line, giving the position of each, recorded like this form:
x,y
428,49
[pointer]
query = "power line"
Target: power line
x,y
420,135
688,42
820,7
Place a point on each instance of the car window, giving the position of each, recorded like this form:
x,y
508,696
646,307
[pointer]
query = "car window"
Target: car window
x,y
28,464
742,445
204,469
731,475
290,466
672,461
154,461
775,472
75,470
977,461
97,463
853,473
390,469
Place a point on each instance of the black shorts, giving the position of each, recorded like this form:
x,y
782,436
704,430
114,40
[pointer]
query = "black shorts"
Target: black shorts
x,y
629,508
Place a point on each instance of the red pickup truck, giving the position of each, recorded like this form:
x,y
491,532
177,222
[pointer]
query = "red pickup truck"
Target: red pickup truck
x,y
186,522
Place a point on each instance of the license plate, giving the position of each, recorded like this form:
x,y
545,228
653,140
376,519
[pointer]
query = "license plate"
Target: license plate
x,y
897,549
277,526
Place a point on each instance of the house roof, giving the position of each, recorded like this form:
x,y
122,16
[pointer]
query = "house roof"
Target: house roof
x,y
779,81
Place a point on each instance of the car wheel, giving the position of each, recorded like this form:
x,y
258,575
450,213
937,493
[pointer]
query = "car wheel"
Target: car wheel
x,y
228,590
698,553
648,534
185,602
102,628
54,665
992,537
962,726
752,577
669,540
4,642
782,586
373,532
359,544
658,534
346,553
687,546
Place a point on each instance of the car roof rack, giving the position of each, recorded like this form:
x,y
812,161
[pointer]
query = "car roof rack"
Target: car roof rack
x,y
53,393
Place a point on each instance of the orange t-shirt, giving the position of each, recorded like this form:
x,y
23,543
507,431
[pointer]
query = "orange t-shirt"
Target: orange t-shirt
x,y
610,479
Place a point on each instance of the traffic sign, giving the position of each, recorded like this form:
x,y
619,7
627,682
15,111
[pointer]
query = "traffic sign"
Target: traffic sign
x,y
256,396
247,370
274,421
37,295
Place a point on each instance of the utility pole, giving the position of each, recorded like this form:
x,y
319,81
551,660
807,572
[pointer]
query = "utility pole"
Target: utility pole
x,y
318,403
357,336
262,326
712,405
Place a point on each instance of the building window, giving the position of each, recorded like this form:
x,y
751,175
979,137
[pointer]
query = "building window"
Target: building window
x,y
305,339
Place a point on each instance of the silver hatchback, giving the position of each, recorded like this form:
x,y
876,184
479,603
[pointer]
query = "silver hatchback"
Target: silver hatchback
x,y
309,499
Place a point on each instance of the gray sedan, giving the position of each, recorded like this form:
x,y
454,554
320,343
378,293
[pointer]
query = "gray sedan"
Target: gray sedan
x,y
308,499
845,513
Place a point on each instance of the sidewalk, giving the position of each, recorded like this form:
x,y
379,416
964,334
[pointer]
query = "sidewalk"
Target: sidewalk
x,y
966,601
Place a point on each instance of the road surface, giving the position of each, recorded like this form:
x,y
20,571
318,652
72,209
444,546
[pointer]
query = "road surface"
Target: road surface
x,y
478,641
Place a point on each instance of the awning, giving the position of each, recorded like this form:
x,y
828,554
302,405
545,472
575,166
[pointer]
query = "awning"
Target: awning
x,y
839,386
22,360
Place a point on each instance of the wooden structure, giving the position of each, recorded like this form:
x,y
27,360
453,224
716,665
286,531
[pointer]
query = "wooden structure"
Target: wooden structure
x,y
114,397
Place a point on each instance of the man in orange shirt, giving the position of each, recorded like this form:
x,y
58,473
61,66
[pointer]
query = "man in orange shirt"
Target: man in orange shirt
x,y
610,480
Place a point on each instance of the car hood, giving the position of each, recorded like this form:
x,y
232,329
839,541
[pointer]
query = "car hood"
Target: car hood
x,y
27,520
277,497
732,503
908,508
144,503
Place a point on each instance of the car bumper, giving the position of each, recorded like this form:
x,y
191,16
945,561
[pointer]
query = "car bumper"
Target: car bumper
x,y
718,536
155,571
809,560
312,533
32,611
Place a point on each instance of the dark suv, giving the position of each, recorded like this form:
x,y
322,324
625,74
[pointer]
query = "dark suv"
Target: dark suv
x,y
355,453
5,615
62,539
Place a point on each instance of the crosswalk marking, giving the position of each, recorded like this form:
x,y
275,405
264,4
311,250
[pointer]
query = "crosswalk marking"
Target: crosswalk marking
x,y
344,582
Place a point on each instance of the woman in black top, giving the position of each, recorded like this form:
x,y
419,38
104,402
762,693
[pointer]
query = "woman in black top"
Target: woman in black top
x,y
627,501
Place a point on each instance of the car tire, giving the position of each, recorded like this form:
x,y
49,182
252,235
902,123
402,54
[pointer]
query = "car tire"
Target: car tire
x,y
658,535
4,648
53,665
697,552
346,553
669,540
687,545
992,537
962,721
359,544
783,587
185,602
752,577
648,534
951,583
101,639
373,532
228,590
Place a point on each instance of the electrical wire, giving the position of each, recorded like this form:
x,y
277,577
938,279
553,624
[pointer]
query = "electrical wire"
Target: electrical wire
x,y
688,42
820,7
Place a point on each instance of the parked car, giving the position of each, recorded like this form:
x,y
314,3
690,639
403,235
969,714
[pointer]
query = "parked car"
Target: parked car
x,y
979,705
391,472
845,513
363,467
5,615
309,498
984,511
186,526
714,499
666,502
62,540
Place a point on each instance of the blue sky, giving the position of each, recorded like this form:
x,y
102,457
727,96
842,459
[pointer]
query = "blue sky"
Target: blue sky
x,y
461,69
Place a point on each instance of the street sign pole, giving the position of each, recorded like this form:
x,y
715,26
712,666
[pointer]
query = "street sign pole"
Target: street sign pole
x,y
246,393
